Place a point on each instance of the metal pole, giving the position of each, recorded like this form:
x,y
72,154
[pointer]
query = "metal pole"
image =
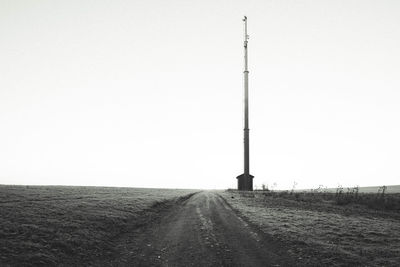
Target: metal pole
x,y
246,105
245,180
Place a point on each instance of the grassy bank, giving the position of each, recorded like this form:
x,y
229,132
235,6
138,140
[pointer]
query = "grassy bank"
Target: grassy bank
x,y
52,225
320,230
350,196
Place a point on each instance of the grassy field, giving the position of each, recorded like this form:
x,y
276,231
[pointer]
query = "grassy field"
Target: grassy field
x,y
54,225
380,198
72,226
316,227
390,189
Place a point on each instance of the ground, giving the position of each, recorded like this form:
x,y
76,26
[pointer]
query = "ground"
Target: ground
x,y
51,225
202,231
148,227
322,231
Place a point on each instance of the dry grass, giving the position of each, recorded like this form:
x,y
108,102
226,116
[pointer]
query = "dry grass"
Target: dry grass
x,y
322,231
378,201
70,225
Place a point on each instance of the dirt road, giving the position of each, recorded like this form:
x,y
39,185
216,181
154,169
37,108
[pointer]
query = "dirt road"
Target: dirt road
x,y
201,231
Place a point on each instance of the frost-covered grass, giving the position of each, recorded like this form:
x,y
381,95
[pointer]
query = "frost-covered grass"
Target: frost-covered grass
x,y
53,225
323,231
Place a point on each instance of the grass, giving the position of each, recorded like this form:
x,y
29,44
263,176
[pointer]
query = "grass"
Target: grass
x,y
320,230
52,225
379,200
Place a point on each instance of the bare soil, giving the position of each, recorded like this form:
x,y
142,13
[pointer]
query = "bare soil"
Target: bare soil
x,y
201,231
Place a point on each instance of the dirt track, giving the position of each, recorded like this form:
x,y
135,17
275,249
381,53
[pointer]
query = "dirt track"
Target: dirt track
x,y
201,231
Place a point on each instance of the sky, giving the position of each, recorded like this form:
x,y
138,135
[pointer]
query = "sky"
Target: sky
x,y
150,93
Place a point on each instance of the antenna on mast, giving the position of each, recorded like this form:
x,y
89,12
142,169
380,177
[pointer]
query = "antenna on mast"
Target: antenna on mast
x,y
246,36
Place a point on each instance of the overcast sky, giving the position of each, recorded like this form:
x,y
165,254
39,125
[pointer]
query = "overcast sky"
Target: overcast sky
x,y
149,93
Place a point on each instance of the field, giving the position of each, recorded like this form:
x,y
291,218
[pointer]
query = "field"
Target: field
x,y
390,189
56,225
81,226
318,227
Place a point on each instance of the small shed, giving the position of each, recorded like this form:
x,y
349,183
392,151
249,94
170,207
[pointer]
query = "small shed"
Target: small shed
x,y
245,182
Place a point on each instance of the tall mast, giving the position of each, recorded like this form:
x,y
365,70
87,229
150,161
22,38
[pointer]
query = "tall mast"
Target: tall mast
x,y
246,104
245,180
